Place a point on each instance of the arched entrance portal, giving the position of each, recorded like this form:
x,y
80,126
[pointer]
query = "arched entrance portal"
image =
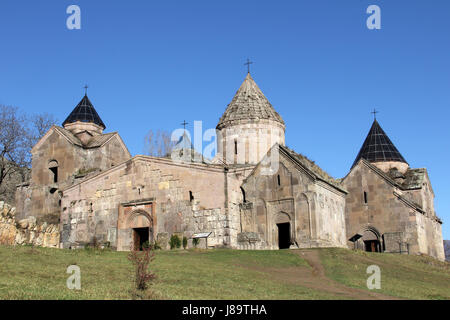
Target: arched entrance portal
x,y
141,224
283,223
371,241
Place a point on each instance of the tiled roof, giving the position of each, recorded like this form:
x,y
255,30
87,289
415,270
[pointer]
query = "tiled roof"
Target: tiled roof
x,y
85,112
378,147
249,103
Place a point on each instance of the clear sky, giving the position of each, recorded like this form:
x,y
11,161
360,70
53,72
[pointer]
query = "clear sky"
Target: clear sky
x,y
153,64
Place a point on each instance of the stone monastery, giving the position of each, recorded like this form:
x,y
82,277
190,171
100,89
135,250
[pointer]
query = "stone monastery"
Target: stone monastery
x,y
255,194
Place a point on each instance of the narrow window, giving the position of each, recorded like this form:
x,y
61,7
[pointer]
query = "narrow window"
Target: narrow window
x,y
279,180
243,195
53,167
235,146
191,196
365,197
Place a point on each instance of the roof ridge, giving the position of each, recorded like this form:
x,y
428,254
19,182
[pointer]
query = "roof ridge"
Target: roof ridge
x,y
315,168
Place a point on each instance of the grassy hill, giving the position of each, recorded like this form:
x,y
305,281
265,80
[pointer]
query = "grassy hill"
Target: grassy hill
x,y
40,273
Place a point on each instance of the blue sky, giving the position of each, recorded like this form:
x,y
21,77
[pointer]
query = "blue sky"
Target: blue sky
x,y
153,64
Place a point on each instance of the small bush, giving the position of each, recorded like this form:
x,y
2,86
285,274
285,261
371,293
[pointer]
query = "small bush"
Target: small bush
x,y
156,245
141,261
146,245
175,242
184,242
195,242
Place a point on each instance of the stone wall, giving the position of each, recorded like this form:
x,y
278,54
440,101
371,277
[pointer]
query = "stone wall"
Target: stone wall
x,y
184,199
392,214
25,231
314,209
253,140
41,196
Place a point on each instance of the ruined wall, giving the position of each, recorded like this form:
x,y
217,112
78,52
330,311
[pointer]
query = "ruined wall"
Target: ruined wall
x,y
314,211
25,231
94,207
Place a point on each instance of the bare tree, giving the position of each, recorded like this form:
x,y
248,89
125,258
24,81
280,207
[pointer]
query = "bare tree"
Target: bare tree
x,y
159,144
40,124
18,134
14,142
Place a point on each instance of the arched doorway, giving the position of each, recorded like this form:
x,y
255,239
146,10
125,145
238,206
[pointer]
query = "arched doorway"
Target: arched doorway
x,y
371,240
283,223
141,224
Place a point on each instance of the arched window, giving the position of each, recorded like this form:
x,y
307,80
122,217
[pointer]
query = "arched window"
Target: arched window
x,y
53,167
235,147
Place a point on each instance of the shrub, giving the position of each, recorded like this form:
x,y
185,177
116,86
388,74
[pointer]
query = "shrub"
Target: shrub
x,y
146,245
156,245
174,242
141,261
184,242
195,242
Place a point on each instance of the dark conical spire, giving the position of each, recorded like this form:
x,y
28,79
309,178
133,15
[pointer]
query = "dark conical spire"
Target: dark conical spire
x,y
85,112
378,147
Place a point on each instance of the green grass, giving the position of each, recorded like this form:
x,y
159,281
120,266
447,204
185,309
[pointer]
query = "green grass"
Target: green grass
x,y
403,276
216,274
40,273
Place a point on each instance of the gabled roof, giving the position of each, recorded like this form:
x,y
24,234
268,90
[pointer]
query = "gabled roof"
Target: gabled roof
x,y
378,147
85,112
412,179
313,168
95,142
249,103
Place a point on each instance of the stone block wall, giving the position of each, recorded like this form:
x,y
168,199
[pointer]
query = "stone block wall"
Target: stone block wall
x,y
187,199
25,231
253,140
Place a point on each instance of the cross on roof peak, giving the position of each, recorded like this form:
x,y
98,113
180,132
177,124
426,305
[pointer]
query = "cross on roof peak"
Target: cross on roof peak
x,y
248,63
374,112
184,124
85,89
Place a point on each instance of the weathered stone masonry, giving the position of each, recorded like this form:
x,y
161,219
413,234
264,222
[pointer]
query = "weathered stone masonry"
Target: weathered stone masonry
x,y
255,194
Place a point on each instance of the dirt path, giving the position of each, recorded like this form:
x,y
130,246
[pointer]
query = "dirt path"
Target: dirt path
x,y
318,280
315,278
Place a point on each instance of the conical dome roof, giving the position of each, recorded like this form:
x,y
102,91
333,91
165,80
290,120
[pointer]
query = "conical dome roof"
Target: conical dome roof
x,y
84,112
378,147
249,103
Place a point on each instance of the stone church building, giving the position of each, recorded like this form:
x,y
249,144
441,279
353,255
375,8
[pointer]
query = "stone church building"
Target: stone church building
x,y
255,194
